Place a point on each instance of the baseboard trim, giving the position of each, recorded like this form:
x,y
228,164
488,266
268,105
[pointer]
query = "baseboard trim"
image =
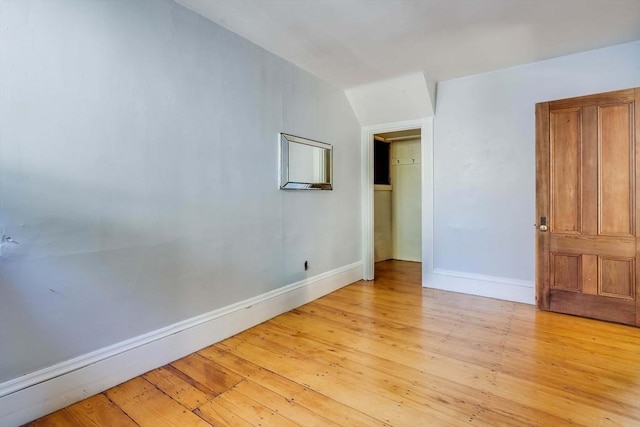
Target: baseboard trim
x,y
34,395
478,284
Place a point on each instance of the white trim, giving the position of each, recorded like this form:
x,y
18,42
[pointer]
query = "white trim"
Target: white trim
x,y
479,284
381,187
34,395
426,172
367,204
367,181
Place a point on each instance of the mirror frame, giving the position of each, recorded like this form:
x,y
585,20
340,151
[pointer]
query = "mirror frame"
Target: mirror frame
x,y
285,182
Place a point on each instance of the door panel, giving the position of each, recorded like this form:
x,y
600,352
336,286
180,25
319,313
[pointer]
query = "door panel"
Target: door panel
x,y
565,170
587,165
616,169
566,271
616,279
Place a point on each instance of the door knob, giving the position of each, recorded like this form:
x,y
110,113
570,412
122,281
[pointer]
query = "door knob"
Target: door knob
x,y
543,223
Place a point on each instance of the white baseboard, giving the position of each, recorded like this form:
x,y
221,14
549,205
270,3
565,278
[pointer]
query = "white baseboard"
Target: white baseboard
x,y
31,396
479,284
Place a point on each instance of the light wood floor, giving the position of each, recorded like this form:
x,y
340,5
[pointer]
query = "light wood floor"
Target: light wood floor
x,y
390,353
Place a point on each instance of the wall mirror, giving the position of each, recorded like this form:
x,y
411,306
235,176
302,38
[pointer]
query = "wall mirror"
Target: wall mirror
x,y
305,164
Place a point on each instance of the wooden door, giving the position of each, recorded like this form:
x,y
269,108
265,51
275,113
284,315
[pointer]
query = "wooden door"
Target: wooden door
x,y
587,193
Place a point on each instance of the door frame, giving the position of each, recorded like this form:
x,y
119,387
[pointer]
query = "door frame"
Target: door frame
x,y
542,205
426,177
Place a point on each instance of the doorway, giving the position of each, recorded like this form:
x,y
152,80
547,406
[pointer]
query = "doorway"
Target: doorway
x,y
426,151
397,192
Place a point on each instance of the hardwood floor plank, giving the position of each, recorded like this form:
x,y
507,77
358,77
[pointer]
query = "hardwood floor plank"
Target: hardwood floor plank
x,y
214,377
98,411
61,418
583,411
148,406
95,411
183,389
288,408
253,412
219,416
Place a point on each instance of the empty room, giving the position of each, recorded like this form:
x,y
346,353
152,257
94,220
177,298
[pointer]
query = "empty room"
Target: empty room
x,y
319,213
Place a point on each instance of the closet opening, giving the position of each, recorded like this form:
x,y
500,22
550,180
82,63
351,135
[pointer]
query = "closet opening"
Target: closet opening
x,y
397,210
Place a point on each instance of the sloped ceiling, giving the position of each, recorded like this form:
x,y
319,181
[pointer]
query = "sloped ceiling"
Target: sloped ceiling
x,y
355,42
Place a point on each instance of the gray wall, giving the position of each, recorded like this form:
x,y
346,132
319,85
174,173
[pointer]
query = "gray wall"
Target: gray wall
x,y
484,151
138,149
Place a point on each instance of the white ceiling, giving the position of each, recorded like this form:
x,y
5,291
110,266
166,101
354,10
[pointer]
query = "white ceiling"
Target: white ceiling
x,y
353,42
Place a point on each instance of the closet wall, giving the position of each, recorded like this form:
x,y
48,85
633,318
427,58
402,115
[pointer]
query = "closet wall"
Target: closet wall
x,y
397,208
406,225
